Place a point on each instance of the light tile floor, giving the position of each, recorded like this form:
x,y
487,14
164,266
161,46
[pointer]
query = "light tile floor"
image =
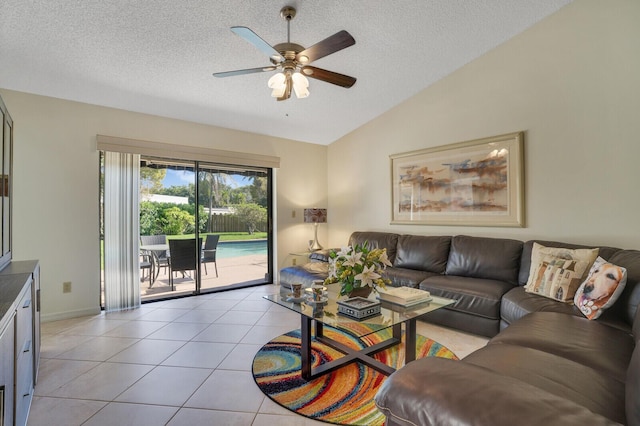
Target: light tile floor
x,y
177,362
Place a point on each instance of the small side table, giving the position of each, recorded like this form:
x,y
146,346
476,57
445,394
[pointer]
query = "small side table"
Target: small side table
x,y
299,257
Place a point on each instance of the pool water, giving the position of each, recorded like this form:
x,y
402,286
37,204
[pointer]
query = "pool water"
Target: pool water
x,y
227,249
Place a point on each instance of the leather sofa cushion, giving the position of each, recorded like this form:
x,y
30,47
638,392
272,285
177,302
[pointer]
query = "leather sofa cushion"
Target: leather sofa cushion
x,y
632,403
636,327
377,240
476,296
463,321
578,339
489,258
567,379
425,253
527,248
401,277
629,301
437,391
517,303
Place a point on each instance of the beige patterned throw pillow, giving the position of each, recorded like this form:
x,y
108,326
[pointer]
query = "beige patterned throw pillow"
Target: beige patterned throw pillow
x,y
558,272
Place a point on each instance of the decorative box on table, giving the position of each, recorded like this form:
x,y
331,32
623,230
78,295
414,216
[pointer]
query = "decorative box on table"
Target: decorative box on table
x,y
359,307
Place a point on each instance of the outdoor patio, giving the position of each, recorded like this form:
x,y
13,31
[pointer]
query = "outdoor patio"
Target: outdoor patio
x,y
233,272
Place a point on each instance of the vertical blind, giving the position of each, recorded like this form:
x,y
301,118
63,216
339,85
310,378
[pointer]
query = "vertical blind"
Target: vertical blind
x,y
121,225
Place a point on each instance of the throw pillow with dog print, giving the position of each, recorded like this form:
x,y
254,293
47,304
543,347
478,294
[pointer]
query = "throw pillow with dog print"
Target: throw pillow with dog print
x,y
601,289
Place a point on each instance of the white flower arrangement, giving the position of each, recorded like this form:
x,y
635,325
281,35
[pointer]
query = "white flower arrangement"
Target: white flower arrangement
x,y
357,267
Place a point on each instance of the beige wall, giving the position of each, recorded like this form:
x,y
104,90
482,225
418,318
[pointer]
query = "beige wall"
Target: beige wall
x,y
571,83
56,186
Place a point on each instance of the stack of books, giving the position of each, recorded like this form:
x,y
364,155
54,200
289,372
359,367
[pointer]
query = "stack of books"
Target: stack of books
x,y
405,296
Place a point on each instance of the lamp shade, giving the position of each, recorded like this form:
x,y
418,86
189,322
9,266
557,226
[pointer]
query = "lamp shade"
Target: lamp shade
x,y
315,215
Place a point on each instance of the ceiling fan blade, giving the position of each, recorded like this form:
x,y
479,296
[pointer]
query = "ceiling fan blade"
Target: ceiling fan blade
x,y
255,39
329,76
329,45
242,72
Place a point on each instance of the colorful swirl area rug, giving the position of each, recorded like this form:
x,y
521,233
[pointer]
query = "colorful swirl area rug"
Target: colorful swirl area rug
x,y
343,397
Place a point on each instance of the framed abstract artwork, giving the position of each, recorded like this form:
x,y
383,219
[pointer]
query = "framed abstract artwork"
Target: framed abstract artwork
x,y
473,183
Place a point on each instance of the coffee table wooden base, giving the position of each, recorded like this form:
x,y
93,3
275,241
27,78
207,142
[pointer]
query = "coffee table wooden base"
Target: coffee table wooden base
x,y
364,355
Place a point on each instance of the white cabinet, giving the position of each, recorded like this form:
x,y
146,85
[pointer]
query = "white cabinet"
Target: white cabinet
x,y
19,339
24,355
7,339
35,295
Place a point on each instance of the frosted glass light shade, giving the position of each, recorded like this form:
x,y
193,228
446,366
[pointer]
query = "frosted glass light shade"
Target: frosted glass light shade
x,y
300,85
276,81
301,92
278,91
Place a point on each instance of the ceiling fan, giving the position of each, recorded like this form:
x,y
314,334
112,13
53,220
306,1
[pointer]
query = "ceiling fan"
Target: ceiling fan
x,y
292,60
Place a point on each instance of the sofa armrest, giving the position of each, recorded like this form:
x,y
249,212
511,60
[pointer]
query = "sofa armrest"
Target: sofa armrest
x,y
438,391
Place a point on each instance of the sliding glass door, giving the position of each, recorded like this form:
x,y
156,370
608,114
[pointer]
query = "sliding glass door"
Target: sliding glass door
x,y
203,227
234,208
167,213
223,210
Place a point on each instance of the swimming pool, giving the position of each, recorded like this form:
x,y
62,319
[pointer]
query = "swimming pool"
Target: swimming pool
x,y
227,249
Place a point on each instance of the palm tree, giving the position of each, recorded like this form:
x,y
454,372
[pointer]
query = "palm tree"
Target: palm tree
x,y
214,184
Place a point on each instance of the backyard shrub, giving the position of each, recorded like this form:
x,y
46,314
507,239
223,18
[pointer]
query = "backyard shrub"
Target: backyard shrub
x,y
251,215
177,222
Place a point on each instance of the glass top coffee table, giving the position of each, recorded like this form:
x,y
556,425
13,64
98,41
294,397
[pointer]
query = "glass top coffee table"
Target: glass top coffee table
x,y
326,313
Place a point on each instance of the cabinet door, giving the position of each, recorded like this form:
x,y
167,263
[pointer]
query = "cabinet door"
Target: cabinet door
x,y
24,355
35,295
6,374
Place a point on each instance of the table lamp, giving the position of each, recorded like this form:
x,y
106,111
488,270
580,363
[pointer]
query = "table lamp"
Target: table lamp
x,y
315,216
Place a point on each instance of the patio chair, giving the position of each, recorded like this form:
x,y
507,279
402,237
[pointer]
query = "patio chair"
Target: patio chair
x,y
147,264
184,257
161,257
209,252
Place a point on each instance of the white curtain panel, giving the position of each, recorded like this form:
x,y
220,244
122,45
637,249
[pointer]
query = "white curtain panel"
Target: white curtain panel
x,y
121,231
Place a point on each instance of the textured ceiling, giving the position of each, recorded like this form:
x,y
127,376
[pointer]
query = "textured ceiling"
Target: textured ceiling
x,y
157,56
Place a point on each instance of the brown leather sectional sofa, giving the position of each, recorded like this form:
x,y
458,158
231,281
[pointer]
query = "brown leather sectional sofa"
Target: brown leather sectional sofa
x,y
545,364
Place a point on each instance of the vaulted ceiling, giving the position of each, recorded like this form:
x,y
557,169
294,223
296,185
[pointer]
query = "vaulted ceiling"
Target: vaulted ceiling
x,y
158,56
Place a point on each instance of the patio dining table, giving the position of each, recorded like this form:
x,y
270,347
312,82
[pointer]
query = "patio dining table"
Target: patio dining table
x,y
153,247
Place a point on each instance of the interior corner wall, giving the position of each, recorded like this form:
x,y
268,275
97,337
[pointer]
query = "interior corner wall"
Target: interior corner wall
x,y
570,82
55,187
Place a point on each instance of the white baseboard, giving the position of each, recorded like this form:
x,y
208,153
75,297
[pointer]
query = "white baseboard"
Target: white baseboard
x,y
69,314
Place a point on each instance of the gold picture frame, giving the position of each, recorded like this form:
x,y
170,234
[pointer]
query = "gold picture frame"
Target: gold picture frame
x,y
473,183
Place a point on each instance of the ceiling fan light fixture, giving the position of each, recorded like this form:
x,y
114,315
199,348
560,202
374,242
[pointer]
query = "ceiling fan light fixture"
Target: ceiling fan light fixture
x,y
276,81
301,92
278,92
300,85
